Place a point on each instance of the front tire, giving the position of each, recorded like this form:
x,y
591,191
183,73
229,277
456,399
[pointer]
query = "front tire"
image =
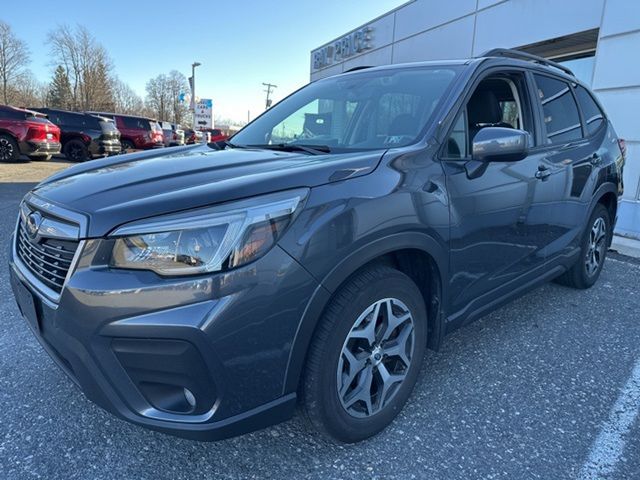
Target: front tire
x,y
595,242
366,354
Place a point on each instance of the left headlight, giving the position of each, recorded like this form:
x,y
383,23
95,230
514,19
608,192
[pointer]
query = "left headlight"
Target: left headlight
x,y
206,240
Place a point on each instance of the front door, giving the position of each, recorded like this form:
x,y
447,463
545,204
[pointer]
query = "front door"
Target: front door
x,y
498,229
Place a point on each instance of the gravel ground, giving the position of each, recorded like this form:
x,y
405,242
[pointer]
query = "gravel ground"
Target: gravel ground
x,y
522,393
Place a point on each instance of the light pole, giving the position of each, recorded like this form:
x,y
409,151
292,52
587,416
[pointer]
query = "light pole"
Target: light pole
x,y
193,91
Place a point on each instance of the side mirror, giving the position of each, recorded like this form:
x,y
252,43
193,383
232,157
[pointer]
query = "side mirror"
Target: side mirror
x,y
499,144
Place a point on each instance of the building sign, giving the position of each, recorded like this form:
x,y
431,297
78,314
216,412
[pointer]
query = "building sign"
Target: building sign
x,y
352,44
204,113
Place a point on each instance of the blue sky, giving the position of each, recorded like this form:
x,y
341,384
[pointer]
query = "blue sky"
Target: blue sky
x,y
239,43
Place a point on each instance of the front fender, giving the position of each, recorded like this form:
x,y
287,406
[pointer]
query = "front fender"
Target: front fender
x,y
332,281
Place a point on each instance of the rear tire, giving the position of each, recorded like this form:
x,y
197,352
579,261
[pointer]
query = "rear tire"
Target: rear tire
x,y
127,146
354,387
76,151
9,150
595,242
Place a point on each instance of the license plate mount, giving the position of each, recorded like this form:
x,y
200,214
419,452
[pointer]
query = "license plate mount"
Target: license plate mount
x,y
27,305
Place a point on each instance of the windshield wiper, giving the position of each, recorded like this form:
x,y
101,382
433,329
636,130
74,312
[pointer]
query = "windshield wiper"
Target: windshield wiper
x,y
295,147
222,144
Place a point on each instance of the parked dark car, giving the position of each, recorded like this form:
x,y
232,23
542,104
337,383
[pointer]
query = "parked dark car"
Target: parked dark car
x,y
173,134
192,136
136,133
205,292
28,133
84,136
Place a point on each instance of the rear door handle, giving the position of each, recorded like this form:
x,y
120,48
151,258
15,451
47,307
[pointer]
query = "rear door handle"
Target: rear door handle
x,y
543,172
595,159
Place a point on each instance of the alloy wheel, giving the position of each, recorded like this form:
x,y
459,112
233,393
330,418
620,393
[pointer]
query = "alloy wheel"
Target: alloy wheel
x,y
375,357
6,149
76,152
596,248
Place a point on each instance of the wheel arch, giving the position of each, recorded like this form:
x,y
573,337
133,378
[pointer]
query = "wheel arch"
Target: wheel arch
x,y
417,255
607,195
9,134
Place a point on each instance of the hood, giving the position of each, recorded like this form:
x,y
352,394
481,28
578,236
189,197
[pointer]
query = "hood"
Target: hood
x,y
117,190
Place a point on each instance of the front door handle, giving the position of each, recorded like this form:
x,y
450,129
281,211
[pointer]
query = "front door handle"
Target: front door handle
x,y
543,172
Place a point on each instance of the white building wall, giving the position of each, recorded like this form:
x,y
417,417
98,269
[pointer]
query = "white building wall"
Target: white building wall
x,y
436,29
616,81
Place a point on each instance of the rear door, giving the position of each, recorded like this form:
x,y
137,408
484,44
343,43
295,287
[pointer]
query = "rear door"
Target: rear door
x,y
568,156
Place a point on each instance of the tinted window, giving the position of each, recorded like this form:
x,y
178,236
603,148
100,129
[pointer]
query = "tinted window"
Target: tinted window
x,y
560,111
12,115
138,123
593,116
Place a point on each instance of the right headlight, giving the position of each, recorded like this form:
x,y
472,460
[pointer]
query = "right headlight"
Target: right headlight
x,y
206,240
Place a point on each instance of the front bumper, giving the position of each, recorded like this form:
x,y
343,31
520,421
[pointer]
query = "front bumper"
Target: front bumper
x,y
133,342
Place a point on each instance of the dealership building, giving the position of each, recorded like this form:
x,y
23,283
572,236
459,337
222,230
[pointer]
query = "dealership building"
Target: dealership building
x,y
598,39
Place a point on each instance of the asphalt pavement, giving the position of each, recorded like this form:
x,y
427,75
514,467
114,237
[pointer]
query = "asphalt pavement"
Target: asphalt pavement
x,y
543,388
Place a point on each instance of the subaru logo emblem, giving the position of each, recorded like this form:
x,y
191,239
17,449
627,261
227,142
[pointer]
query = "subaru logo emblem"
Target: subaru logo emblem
x,y
33,223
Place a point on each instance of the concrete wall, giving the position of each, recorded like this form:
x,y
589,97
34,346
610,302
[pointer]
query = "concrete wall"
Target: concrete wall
x,y
435,29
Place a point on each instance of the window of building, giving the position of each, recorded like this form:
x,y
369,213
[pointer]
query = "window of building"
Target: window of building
x,y
561,117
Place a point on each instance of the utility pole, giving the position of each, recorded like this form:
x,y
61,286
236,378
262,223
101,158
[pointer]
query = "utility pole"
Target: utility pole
x,y
192,82
270,87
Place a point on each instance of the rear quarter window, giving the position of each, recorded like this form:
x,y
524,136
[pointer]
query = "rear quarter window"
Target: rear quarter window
x,y
593,116
560,112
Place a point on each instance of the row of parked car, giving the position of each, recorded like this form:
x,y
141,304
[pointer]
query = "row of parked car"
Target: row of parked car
x,y
40,133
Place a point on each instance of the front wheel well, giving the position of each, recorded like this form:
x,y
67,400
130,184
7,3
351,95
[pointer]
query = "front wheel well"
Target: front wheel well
x,y
423,270
610,201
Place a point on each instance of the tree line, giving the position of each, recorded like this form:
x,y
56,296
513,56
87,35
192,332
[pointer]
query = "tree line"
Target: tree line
x,y
83,79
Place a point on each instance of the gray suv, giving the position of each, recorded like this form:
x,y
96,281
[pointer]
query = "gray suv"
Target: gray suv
x,y
204,291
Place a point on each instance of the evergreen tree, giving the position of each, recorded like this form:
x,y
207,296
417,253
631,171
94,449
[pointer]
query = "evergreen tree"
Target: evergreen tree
x,y
60,95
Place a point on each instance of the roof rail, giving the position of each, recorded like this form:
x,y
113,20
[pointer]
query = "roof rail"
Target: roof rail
x,y
511,53
355,69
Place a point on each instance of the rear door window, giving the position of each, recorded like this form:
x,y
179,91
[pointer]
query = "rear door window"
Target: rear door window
x,y
136,123
593,116
560,112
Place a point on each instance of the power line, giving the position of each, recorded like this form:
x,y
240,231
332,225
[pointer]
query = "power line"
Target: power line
x,y
270,87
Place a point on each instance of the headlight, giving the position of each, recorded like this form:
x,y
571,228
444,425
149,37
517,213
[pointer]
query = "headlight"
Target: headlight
x,y
206,240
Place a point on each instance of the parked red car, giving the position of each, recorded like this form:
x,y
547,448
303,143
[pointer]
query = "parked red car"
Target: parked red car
x,y
136,133
215,134
27,133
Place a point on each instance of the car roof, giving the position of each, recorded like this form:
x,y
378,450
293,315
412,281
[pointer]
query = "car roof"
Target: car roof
x,y
111,114
499,57
23,110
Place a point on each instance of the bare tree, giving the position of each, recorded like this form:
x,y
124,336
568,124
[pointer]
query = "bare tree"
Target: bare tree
x,y
14,57
125,99
29,92
177,84
86,64
159,97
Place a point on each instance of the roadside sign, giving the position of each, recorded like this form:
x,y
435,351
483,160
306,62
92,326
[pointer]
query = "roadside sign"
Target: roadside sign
x,y
204,113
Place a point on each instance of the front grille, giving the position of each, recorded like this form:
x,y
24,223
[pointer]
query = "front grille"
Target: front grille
x,y
49,259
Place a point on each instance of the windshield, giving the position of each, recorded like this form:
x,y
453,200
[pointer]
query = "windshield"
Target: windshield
x,y
366,110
